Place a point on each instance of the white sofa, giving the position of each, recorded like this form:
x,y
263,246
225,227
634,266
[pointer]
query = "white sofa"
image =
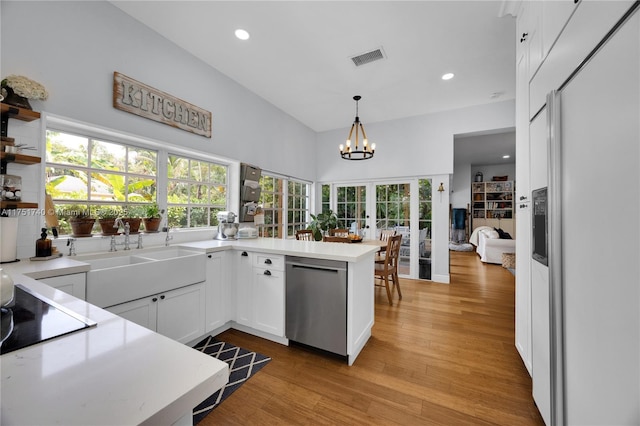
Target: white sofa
x,y
490,246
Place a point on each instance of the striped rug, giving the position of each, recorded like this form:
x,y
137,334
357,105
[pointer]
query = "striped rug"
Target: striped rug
x,y
242,365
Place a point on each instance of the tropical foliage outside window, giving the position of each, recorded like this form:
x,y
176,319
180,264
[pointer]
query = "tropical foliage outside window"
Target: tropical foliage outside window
x,y
271,199
89,174
196,192
326,198
351,204
424,223
393,203
297,207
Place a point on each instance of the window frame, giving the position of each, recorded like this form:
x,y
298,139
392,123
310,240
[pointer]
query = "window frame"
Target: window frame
x,y
163,150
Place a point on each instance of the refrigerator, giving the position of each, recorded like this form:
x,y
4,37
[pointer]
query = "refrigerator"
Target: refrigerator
x,y
585,301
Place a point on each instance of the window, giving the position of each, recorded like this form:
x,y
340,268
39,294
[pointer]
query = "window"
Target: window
x,y
326,198
101,177
297,206
196,192
271,199
94,175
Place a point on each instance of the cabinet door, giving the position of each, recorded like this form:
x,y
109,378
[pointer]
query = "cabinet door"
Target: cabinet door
x,y
181,313
142,311
73,284
268,306
244,283
215,292
555,15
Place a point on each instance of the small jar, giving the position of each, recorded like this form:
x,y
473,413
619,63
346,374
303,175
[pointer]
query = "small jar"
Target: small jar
x,y
11,187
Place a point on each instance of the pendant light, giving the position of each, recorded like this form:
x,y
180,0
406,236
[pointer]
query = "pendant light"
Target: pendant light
x,y
357,152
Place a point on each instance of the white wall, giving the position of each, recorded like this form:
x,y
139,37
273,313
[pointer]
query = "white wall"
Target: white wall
x,y
73,48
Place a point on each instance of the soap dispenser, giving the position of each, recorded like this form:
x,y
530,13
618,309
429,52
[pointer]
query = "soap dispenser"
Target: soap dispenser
x,y
43,245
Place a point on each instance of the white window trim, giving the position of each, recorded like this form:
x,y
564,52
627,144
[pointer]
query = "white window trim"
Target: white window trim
x,y
63,124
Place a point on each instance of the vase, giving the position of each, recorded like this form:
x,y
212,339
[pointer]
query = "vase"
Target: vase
x,y
134,224
107,226
152,224
16,100
81,227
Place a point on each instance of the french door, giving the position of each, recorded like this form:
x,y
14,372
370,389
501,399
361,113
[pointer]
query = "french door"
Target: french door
x,y
403,206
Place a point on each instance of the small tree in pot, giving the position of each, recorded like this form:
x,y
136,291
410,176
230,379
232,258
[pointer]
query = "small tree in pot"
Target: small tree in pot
x,y
322,222
152,218
107,216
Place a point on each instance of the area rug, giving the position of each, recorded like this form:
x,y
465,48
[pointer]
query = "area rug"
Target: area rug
x,y
460,247
242,365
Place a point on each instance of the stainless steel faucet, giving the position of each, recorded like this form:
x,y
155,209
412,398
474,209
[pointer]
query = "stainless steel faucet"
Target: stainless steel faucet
x,y
139,246
126,227
168,237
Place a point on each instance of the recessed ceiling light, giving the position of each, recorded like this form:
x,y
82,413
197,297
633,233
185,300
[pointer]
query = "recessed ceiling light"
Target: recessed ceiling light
x,y
447,76
242,34
506,156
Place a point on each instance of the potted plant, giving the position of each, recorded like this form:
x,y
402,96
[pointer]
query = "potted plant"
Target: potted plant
x,y
133,215
152,218
322,222
107,216
80,220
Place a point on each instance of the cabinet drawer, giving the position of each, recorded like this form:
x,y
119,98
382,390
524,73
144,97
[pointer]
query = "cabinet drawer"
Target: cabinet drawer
x,y
250,194
269,261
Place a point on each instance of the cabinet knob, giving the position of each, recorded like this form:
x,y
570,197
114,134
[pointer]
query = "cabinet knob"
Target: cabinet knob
x,y
523,197
268,262
524,37
209,256
162,297
244,253
267,272
155,299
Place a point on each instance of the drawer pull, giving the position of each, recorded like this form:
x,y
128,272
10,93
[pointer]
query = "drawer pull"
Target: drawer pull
x,y
268,262
267,272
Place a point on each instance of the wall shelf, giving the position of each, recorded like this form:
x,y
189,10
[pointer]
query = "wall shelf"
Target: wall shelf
x,y
12,205
9,111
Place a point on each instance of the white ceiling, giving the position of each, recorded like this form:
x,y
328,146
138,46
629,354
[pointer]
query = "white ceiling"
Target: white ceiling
x,y
298,56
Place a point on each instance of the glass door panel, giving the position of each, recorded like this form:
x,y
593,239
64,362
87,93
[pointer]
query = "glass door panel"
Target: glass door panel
x,y
424,224
393,211
351,206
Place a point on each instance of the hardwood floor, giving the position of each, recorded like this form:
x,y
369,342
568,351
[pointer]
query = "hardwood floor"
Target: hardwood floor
x,y
443,355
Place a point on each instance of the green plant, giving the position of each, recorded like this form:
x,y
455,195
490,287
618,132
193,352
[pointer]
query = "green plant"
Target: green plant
x,y
75,211
323,222
152,210
109,212
136,211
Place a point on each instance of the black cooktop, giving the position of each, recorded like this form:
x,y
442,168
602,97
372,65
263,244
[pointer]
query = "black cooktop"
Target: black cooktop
x,y
32,318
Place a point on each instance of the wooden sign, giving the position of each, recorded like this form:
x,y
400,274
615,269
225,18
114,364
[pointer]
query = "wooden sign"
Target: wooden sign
x,y
137,98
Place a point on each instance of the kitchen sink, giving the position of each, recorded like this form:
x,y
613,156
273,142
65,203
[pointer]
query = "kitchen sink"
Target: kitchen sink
x,y
112,262
119,277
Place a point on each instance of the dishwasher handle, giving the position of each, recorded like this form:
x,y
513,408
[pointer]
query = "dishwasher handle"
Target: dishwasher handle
x,y
316,268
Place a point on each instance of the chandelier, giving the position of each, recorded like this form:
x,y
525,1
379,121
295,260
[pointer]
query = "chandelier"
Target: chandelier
x,y
355,152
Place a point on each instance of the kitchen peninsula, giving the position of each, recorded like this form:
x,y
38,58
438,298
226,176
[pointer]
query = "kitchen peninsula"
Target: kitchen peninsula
x,y
121,373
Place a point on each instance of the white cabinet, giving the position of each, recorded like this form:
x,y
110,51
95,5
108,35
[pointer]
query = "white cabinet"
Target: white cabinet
x,y
178,314
555,15
217,297
529,34
269,300
260,289
244,283
74,284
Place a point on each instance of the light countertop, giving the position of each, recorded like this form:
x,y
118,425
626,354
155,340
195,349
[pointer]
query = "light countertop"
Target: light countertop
x,y
115,373
348,252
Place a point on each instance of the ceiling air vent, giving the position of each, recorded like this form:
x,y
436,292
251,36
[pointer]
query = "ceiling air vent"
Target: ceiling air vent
x,y
365,58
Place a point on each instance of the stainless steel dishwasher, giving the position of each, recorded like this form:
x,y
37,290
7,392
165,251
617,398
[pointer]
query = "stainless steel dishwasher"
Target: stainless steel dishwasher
x,y
316,301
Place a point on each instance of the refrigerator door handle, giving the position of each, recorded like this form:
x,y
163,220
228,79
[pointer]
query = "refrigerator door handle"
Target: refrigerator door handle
x,y
556,303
